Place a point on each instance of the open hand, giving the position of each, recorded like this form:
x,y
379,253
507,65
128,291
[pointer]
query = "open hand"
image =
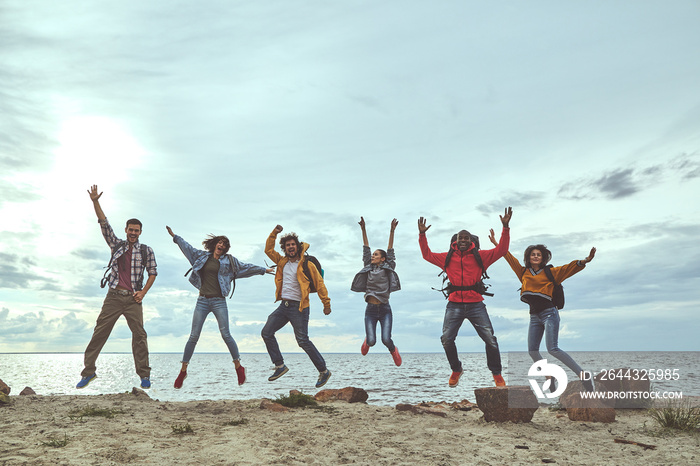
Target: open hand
x,y
505,218
93,193
590,257
393,224
492,237
421,225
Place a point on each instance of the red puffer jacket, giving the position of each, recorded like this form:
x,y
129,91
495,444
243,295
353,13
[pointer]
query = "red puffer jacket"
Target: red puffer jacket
x,y
463,269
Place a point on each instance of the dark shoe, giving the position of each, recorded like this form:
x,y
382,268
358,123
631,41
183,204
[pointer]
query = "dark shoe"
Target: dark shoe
x,y
499,380
145,383
240,372
397,357
180,378
279,372
454,378
323,378
85,381
364,349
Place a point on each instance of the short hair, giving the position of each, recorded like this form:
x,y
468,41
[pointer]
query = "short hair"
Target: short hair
x,y
211,241
546,254
134,221
288,237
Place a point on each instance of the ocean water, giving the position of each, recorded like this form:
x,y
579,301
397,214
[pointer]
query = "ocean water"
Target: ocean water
x,y
421,377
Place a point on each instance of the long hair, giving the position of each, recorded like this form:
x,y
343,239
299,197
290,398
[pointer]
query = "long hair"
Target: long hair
x,y
211,241
546,254
382,253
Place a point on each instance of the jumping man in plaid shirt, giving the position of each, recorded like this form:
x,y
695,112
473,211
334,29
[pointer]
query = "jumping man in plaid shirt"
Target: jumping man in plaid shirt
x,y
126,292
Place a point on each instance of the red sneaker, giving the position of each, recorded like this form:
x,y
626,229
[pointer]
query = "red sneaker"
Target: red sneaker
x,y
397,357
454,378
499,380
364,349
180,378
240,372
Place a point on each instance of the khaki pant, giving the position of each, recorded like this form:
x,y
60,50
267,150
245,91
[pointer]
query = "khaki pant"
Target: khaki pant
x,y
114,306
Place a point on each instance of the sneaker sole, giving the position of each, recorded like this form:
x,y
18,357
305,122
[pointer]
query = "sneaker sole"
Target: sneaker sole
x,y
275,377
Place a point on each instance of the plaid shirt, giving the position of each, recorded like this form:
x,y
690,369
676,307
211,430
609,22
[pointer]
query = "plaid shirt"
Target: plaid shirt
x,y
137,263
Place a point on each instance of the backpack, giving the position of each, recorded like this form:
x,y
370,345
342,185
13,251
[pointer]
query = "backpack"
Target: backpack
x,y
480,287
307,272
105,277
233,282
558,295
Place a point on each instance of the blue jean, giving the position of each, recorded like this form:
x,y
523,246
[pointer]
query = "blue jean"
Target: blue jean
x,y
378,313
288,311
547,323
204,306
455,313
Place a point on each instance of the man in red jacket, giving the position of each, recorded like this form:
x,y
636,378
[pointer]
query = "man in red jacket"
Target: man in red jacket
x,y
464,273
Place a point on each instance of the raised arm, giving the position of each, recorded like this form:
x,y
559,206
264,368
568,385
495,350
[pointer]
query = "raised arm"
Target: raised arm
x,y
95,197
270,245
433,258
365,241
394,222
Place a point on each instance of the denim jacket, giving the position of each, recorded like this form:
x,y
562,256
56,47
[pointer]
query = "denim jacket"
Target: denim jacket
x,y
359,283
229,269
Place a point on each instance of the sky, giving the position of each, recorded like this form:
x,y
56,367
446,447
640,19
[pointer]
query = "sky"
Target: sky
x,y
231,117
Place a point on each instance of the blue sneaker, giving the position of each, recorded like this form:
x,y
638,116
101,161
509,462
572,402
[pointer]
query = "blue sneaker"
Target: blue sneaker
x,y
323,378
145,382
86,380
279,372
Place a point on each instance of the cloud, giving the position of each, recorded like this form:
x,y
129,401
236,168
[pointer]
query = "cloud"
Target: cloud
x,y
622,183
516,198
50,333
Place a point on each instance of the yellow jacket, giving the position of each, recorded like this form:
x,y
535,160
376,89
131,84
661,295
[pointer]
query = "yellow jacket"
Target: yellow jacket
x,y
537,283
281,261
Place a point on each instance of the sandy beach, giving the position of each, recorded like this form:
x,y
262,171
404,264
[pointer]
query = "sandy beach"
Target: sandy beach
x,y
241,432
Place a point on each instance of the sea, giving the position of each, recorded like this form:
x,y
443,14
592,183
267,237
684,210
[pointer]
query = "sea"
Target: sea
x,y
421,377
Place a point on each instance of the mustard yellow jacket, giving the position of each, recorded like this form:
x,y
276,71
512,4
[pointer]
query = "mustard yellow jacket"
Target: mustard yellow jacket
x,y
281,261
537,283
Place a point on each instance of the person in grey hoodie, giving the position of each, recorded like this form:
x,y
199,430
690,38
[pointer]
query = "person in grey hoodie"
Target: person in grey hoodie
x,y
213,272
377,280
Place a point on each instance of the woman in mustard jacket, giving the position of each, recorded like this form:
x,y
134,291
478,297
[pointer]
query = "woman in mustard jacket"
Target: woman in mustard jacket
x,y
537,291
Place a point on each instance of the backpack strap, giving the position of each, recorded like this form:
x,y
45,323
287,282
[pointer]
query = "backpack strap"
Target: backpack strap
x,y
105,277
548,271
307,272
477,257
144,253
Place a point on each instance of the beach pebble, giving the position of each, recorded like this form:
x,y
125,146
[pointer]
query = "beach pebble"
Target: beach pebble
x,y
27,391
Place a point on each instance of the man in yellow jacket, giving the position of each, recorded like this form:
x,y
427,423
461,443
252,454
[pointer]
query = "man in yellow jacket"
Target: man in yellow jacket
x,y
293,288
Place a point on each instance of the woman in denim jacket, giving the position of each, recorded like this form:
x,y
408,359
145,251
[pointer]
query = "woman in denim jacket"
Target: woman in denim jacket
x,y
213,272
377,280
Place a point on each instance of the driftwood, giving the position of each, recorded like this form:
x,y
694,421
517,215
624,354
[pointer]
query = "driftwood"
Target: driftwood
x,y
629,442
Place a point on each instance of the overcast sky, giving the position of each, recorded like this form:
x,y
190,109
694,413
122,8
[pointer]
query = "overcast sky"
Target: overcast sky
x,y
230,117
